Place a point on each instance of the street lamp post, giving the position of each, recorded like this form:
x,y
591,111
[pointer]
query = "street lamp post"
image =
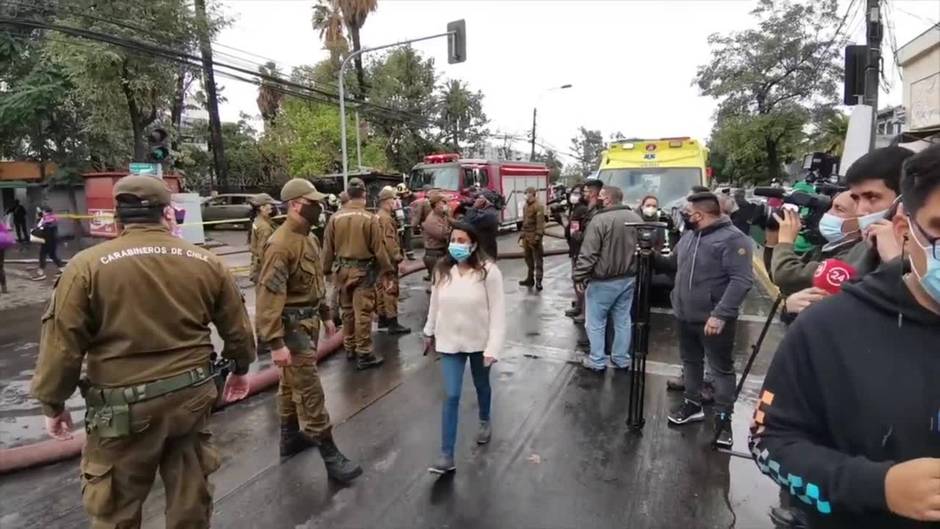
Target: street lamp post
x,y
535,114
452,34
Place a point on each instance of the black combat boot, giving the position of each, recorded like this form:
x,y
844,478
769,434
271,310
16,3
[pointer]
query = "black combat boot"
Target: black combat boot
x,y
367,360
538,285
527,283
338,467
395,328
292,441
383,323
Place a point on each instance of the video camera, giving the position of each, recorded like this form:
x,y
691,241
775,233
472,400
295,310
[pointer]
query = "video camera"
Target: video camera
x,y
815,204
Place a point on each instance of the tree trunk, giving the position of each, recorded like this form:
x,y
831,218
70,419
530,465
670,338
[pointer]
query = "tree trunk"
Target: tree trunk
x,y
133,112
360,73
176,112
773,159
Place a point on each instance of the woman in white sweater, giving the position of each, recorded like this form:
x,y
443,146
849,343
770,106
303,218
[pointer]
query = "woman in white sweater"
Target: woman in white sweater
x,y
466,321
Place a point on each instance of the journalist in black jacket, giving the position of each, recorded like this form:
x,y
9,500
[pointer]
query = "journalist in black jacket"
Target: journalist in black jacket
x,y
848,420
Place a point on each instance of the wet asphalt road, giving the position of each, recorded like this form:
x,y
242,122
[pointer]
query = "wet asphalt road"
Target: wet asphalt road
x,y
561,455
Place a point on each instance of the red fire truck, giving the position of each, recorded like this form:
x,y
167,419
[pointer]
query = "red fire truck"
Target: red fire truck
x,y
457,177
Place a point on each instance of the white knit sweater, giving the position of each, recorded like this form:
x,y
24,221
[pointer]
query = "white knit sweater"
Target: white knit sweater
x,y
468,314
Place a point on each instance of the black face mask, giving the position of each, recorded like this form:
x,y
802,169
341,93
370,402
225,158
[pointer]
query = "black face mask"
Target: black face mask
x,y
687,220
311,213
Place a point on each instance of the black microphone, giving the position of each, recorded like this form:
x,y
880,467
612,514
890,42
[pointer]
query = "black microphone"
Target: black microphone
x,y
772,192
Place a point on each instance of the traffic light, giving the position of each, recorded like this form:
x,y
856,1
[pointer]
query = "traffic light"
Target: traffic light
x,y
456,42
856,57
158,149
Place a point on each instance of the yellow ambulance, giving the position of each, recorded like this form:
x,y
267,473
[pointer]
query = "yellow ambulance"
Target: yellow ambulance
x,y
667,168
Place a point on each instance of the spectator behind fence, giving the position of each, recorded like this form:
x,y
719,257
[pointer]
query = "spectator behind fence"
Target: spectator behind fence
x,y
466,321
847,421
18,213
6,241
48,230
713,275
605,272
484,218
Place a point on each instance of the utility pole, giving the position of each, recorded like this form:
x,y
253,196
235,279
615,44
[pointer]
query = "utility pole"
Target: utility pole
x,y
874,32
532,152
215,124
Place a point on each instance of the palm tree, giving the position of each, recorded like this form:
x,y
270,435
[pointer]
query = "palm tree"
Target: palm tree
x,y
354,15
328,20
269,98
831,134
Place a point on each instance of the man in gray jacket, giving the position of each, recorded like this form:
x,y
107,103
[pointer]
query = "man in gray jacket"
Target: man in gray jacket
x,y
606,269
714,272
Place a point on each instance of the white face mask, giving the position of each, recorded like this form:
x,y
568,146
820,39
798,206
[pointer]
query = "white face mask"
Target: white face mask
x,y
650,211
867,220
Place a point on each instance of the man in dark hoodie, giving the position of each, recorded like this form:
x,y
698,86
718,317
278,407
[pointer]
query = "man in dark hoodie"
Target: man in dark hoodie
x,y
848,420
714,273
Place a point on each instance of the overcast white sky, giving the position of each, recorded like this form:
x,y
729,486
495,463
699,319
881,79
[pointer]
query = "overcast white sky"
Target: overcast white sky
x,y
631,62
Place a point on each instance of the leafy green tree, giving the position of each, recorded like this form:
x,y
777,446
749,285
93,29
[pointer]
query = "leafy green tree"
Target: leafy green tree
x,y
738,143
110,81
460,116
587,146
550,159
404,81
770,77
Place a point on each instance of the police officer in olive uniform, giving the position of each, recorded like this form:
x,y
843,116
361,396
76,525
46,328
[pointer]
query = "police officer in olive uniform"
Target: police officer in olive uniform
x,y
291,303
136,310
353,242
387,297
533,229
261,228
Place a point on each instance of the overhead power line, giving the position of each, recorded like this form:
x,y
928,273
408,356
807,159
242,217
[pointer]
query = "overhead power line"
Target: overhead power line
x,y
194,61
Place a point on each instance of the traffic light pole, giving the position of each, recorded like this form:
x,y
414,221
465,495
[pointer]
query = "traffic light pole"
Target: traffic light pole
x,y
874,34
342,91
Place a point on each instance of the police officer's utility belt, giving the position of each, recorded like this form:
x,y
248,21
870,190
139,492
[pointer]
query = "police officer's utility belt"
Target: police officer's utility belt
x,y
295,314
355,263
107,410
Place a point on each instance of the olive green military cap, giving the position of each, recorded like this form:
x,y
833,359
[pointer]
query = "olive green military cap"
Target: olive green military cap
x,y
262,199
387,192
149,190
300,188
356,183
434,197
530,189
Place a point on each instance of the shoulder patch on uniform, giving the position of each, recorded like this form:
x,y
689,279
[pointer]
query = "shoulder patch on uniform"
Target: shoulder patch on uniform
x,y
742,251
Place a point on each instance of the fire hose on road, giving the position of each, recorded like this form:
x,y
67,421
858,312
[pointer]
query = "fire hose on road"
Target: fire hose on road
x,y
52,451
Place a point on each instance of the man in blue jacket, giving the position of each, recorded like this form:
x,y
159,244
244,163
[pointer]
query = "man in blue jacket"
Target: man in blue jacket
x,y
714,272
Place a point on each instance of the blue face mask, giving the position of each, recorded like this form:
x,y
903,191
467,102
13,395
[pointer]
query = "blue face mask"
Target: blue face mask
x,y
460,252
930,280
830,226
867,220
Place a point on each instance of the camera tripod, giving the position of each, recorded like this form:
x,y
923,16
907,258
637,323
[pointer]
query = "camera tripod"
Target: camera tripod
x,y
646,233
755,350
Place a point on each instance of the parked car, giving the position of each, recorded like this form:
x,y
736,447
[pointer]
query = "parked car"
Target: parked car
x,y
230,206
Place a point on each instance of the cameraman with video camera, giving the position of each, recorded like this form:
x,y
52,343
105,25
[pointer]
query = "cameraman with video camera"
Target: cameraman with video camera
x,y
847,421
793,272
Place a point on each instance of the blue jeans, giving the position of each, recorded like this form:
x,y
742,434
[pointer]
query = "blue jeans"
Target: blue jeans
x,y
612,297
452,365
